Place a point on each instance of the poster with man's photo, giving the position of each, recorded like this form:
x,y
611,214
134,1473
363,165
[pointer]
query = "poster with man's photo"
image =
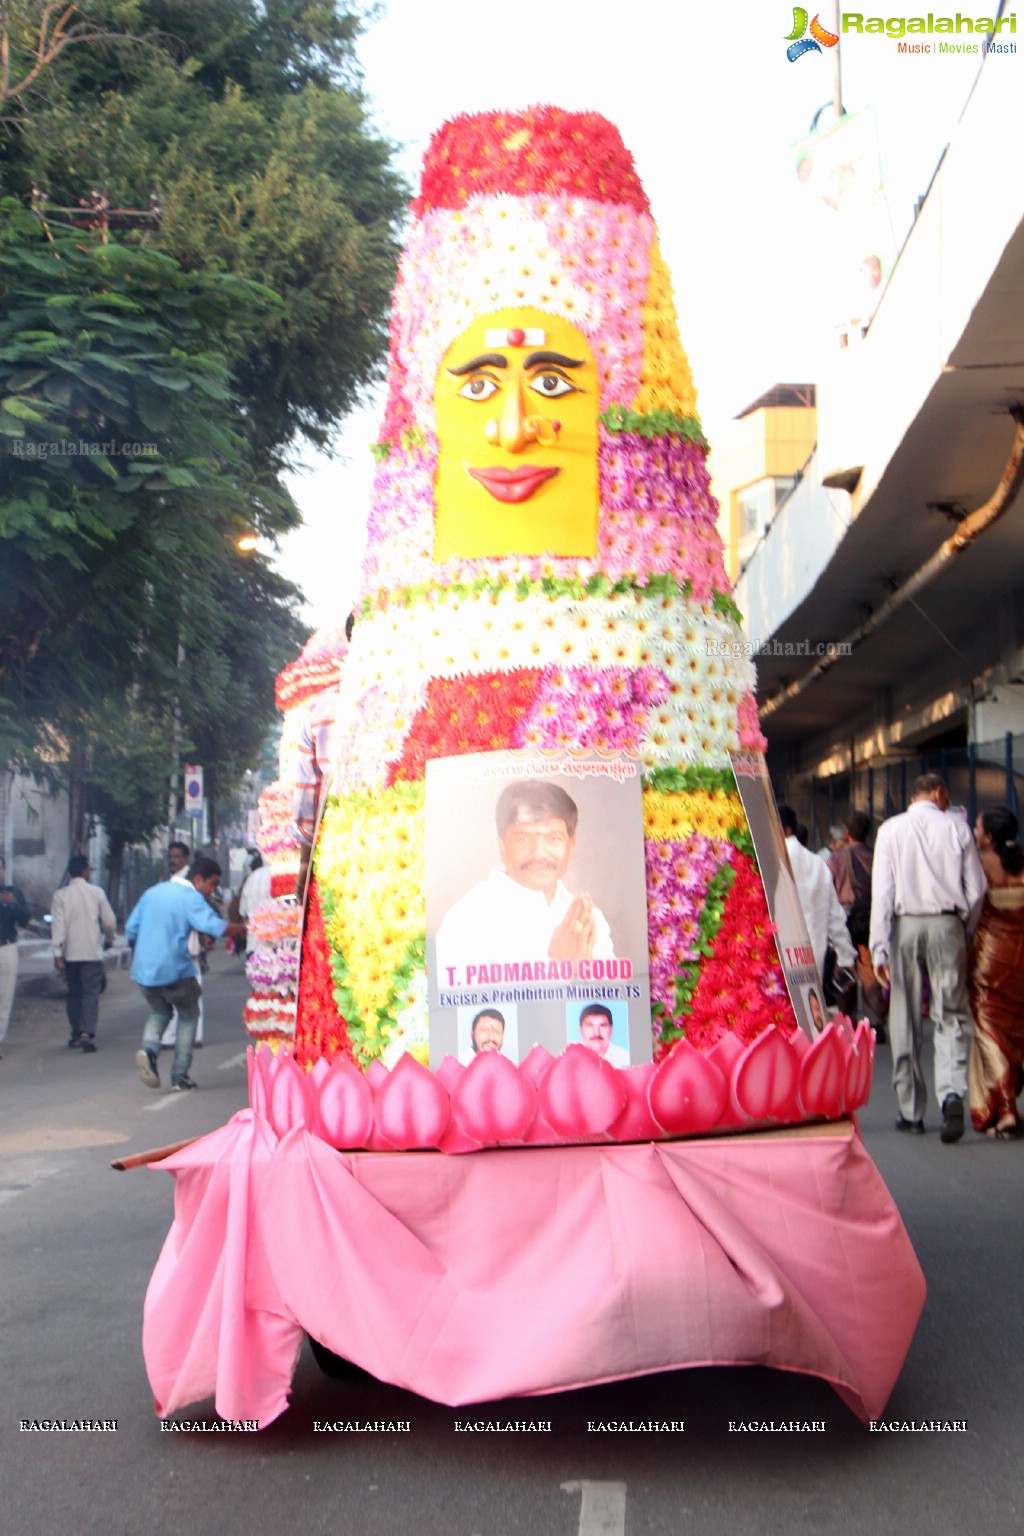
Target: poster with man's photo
x,y
537,906
792,939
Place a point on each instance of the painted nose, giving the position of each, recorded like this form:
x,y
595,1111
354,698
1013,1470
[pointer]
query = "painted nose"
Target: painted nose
x,y
513,433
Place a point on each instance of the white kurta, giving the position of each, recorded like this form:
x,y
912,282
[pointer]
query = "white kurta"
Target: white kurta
x,y
824,915
500,920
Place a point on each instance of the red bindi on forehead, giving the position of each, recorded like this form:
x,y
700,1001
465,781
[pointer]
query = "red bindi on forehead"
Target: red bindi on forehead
x,y
515,336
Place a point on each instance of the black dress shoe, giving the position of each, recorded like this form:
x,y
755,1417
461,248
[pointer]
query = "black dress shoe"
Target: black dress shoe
x,y
952,1118
912,1127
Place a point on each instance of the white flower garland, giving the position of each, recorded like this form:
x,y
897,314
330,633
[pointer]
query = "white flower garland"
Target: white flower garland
x,y
396,653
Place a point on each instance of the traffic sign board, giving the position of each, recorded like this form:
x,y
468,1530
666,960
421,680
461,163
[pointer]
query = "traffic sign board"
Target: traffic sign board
x,y
193,790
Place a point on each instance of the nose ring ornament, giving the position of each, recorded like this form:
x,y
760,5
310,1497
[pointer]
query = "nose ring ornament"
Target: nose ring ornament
x,y
540,429
536,429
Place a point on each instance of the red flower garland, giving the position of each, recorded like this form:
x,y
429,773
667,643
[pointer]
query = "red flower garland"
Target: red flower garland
x,y
319,1028
463,715
318,667
540,150
741,989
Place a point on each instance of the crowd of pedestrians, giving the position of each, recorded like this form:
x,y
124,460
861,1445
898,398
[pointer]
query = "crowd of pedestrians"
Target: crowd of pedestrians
x,y
168,930
934,918
928,925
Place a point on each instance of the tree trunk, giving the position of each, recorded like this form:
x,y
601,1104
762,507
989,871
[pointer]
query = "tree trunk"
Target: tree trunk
x,y
115,880
77,811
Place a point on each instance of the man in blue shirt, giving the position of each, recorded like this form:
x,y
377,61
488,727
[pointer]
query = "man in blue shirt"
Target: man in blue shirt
x,y
158,928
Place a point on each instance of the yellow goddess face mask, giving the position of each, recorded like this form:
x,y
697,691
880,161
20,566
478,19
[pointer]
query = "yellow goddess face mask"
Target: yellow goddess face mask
x,y
516,402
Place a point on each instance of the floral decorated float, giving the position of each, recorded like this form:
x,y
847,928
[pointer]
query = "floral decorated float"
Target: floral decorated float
x,y
544,574
272,965
543,604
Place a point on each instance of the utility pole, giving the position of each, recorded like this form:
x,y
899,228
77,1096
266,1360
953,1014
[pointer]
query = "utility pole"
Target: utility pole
x,y
177,739
837,66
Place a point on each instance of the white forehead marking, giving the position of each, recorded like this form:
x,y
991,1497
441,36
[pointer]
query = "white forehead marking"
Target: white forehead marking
x,y
532,338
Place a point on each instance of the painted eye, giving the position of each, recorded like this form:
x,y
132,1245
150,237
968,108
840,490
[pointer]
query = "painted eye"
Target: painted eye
x,y
479,387
551,385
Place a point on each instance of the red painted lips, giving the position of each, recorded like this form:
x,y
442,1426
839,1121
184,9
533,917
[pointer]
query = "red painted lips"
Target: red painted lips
x,y
513,485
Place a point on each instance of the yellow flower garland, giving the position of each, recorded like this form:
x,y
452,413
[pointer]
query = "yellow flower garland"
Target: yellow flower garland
x,y
667,380
670,816
371,853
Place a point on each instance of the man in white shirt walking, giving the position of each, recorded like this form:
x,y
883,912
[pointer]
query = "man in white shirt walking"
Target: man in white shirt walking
x,y
83,926
822,912
255,892
927,891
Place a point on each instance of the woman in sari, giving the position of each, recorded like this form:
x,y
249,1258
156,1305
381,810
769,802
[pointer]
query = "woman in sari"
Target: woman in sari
x,y
995,977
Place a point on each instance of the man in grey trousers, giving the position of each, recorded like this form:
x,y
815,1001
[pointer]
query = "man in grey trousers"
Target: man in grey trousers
x,y
927,892
83,926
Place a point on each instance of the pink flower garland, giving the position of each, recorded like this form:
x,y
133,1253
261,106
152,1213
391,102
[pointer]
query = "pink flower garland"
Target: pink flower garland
x,y
277,831
752,738
678,876
576,257
586,709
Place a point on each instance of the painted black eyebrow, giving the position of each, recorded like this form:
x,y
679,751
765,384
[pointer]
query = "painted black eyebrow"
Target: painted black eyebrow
x,y
558,358
485,360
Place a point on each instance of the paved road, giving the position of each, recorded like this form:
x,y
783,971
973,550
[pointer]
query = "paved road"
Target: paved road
x,y
78,1242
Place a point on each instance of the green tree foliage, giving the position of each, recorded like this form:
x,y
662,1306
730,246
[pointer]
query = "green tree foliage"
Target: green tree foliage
x,y
124,458
247,121
125,481
35,34
155,377
125,766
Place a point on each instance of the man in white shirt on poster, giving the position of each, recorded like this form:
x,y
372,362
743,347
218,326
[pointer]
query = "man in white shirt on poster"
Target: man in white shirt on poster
x,y
524,911
596,1026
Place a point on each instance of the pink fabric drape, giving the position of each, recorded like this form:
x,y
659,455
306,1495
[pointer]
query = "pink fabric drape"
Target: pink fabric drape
x,y
200,1334
506,1273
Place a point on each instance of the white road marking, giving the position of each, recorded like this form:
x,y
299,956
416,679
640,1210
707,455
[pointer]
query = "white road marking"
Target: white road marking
x,y
165,1102
12,1194
236,1061
27,1173
602,1508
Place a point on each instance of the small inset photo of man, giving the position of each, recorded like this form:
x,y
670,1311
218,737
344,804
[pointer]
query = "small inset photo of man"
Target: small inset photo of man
x,y
488,1029
602,1027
